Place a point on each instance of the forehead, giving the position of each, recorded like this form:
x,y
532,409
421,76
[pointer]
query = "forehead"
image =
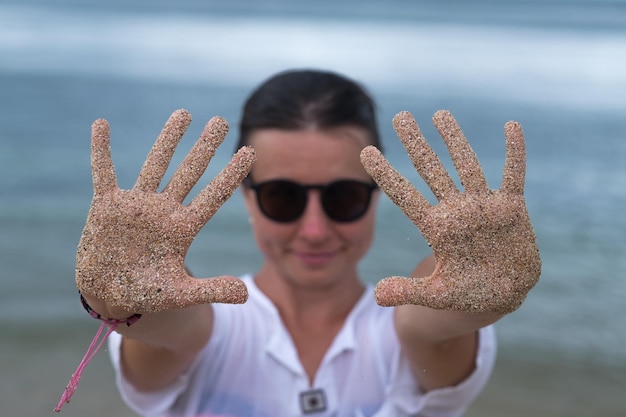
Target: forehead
x,y
309,155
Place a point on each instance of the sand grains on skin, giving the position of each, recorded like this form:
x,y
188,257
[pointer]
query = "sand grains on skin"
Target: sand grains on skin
x,y
482,239
132,249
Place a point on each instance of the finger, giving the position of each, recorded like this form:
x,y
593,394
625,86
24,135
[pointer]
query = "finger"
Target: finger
x,y
188,292
424,159
198,158
211,198
515,161
395,291
161,154
102,169
464,159
398,188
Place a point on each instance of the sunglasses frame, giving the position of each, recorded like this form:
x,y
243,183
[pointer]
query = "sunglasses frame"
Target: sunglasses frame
x,y
256,187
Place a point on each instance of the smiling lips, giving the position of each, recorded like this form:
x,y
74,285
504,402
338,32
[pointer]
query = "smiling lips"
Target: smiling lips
x,y
315,258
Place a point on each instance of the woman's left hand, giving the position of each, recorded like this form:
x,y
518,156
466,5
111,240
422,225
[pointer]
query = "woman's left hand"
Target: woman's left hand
x,y
483,242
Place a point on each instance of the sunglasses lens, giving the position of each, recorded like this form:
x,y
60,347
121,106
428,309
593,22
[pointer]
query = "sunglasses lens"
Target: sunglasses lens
x,y
282,201
285,201
346,201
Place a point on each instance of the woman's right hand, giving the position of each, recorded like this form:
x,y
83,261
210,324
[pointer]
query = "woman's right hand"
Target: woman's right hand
x,y
132,250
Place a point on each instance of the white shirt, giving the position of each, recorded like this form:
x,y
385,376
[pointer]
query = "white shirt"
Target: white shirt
x,y
250,368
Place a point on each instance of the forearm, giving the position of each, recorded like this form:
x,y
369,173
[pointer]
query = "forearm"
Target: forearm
x,y
165,346
441,345
439,326
160,346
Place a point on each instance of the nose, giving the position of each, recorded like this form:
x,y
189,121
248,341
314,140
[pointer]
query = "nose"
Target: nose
x,y
314,224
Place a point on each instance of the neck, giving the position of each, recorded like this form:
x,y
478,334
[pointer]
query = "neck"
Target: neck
x,y
310,303
313,314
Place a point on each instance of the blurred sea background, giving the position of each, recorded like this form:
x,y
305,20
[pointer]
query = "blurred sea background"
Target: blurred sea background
x,y
556,66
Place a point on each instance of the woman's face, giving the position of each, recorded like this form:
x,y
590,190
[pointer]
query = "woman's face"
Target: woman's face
x,y
312,250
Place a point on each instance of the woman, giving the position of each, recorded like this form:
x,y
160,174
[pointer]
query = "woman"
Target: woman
x,y
311,338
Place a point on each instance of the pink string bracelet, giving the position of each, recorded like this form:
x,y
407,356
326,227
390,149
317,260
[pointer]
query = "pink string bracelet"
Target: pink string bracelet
x,y
93,348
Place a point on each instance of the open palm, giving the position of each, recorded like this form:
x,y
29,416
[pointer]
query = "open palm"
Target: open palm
x,y
483,242
132,250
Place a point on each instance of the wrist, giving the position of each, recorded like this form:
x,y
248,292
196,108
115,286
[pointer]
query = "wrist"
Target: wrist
x,y
114,319
438,326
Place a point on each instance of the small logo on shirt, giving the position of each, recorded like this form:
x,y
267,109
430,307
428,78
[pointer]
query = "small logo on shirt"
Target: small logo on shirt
x,y
313,401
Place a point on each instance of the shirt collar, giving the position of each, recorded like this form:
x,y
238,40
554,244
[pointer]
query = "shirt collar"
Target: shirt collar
x,y
280,344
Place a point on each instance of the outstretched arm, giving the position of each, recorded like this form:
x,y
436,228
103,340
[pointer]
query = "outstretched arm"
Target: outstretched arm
x,y
131,253
485,256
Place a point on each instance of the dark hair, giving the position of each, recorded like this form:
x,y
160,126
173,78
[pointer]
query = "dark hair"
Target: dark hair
x,y
300,99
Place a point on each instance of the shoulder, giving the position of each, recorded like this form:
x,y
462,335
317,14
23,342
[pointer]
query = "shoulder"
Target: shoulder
x,y
257,316
373,327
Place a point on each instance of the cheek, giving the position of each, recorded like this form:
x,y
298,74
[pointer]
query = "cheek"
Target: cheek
x,y
361,234
270,239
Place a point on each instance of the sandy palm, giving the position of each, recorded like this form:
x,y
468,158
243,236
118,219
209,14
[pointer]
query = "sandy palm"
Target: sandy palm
x,y
132,250
483,242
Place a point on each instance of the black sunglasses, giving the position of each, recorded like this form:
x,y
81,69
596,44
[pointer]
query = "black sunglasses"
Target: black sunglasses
x,y
284,201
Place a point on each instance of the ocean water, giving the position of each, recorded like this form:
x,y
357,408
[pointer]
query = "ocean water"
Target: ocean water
x,y
557,67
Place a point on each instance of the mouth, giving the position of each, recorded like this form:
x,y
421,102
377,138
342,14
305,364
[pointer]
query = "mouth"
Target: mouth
x,y
315,258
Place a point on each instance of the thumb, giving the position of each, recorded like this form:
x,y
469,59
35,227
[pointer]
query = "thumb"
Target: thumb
x,y
193,291
395,291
